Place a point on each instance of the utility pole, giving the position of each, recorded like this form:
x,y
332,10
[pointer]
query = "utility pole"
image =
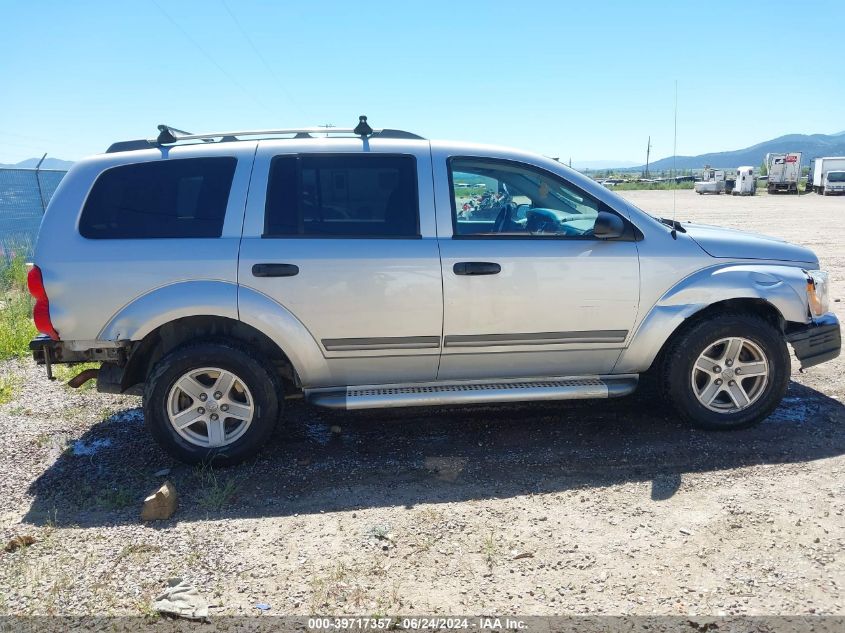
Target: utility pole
x,y
647,154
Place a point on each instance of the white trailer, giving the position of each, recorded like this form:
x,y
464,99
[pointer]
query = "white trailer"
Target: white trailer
x,y
745,185
827,175
713,182
784,172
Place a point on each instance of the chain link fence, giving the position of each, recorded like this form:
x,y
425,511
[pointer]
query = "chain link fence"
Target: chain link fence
x,y
24,195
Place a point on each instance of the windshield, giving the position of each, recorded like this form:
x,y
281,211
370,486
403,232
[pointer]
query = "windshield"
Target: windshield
x,y
836,176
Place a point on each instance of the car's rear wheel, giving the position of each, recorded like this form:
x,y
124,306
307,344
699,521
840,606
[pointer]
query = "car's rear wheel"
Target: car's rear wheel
x,y
727,372
212,402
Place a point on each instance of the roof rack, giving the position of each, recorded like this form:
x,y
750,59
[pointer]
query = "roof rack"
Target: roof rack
x,y
169,135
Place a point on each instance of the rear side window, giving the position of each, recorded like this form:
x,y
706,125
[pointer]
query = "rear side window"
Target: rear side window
x,y
184,198
342,195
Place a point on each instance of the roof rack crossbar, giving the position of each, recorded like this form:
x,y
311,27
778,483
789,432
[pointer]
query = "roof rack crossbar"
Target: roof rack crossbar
x,y
207,136
239,133
169,135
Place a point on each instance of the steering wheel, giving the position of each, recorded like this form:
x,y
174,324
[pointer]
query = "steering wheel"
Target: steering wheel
x,y
502,217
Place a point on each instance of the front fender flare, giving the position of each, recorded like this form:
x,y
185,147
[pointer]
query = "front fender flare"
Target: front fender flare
x,y
783,287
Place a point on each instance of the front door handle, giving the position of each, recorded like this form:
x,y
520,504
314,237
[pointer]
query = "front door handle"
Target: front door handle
x,y
275,270
477,268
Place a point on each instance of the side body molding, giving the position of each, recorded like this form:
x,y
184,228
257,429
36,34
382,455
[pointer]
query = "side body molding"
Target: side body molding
x,y
784,287
167,303
288,332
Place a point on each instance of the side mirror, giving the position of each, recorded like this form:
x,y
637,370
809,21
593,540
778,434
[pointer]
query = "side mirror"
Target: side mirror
x,y
608,226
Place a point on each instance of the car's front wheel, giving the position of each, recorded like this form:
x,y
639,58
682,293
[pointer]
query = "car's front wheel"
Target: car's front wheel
x,y
727,372
211,402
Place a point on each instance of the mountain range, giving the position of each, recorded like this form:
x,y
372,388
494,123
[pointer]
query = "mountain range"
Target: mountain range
x,y
49,163
810,145
583,165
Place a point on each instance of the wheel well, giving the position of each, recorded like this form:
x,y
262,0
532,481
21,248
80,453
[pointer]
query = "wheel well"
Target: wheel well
x,y
758,307
162,340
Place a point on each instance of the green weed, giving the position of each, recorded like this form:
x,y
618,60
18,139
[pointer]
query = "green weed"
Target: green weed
x,y
63,373
214,494
8,388
16,326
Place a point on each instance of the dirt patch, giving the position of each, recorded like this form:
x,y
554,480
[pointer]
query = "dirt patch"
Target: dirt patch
x,y
561,508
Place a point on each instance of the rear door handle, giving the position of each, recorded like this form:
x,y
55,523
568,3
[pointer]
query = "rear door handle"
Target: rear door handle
x,y
275,270
476,268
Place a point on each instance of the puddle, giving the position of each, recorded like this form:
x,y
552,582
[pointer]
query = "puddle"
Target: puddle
x,y
128,415
792,409
89,448
318,432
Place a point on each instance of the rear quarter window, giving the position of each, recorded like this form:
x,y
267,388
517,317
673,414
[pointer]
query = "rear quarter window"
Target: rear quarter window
x,y
179,198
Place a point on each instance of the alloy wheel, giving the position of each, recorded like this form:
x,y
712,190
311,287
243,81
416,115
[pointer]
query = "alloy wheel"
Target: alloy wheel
x,y
210,407
730,375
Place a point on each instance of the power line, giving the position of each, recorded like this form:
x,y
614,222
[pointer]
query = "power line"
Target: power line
x,y
205,53
262,58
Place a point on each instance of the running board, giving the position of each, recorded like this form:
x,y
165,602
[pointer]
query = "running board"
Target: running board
x,y
446,393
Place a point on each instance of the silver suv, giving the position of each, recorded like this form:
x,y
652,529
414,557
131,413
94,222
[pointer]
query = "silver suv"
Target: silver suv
x,y
213,273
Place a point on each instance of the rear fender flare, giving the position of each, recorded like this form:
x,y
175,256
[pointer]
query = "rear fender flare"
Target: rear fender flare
x,y
224,299
289,333
167,303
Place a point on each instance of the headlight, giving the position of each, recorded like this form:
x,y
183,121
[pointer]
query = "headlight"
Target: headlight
x,y
818,292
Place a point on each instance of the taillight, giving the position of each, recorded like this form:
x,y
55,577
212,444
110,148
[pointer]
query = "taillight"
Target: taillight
x,y
41,311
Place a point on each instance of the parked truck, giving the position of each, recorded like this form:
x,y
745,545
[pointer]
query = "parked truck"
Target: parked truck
x,y
784,172
829,175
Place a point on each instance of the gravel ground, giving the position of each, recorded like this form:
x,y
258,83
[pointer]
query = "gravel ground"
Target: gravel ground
x,y
586,508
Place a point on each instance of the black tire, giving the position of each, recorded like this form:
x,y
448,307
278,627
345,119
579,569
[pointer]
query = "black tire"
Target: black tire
x,y
248,365
688,344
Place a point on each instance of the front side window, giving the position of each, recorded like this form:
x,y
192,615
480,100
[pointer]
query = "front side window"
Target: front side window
x,y
178,198
497,198
342,195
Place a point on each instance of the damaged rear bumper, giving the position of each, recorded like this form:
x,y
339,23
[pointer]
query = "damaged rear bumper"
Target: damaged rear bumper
x,y
48,352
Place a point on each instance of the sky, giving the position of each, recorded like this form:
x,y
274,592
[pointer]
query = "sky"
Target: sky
x,y
581,80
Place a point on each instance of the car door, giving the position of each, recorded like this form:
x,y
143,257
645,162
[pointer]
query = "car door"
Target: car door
x,y
344,239
528,291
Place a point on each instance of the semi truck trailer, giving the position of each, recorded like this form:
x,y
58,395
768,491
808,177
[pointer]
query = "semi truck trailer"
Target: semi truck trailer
x,y
784,172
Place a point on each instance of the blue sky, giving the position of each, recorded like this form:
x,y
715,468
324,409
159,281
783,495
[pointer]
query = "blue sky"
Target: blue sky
x,y
586,80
